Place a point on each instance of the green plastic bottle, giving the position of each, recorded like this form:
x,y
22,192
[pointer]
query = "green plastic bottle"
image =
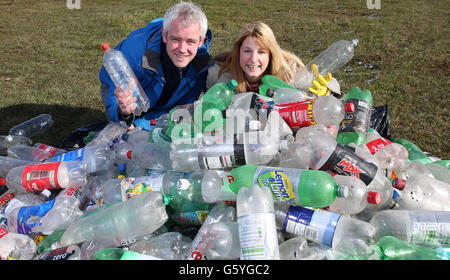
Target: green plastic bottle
x,y
271,83
220,94
355,125
309,188
184,198
46,243
414,152
392,248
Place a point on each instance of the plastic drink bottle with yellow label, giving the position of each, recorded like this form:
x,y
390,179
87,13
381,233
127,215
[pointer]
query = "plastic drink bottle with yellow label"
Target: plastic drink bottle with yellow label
x,y
313,188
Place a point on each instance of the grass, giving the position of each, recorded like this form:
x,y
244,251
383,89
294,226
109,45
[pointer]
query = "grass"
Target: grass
x,y
50,55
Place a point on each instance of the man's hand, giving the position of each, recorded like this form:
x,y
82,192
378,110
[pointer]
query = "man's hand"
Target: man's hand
x,y
319,82
125,99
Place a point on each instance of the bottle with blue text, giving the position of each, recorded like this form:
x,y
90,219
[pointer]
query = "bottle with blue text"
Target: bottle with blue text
x,y
121,74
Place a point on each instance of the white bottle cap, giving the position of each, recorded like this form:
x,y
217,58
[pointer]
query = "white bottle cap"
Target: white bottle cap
x,y
46,193
254,125
183,184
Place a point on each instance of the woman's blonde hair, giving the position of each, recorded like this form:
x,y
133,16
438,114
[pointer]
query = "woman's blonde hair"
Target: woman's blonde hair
x,y
282,64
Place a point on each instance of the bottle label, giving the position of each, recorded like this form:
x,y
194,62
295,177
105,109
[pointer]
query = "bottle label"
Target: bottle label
x,y
437,231
226,179
377,144
73,192
131,187
6,198
315,225
297,114
282,182
221,155
63,253
357,121
194,218
258,237
29,217
37,177
3,232
76,155
344,161
47,148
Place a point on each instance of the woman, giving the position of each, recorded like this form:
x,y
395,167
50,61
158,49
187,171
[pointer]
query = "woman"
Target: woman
x,y
255,53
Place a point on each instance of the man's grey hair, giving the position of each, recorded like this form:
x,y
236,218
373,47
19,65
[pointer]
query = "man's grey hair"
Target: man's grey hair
x,y
189,12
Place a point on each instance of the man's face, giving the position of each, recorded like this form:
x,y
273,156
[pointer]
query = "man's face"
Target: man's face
x,y
182,42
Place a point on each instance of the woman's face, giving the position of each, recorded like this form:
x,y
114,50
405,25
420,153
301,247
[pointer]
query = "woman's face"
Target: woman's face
x,y
253,59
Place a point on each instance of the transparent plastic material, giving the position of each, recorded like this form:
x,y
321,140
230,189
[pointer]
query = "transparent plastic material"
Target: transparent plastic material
x,y
21,244
121,74
298,248
33,127
7,141
8,163
148,155
166,246
121,222
221,241
330,60
108,134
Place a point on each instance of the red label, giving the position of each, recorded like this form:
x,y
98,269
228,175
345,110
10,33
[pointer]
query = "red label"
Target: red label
x,y
37,177
377,144
6,197
3,232
47,148
297,114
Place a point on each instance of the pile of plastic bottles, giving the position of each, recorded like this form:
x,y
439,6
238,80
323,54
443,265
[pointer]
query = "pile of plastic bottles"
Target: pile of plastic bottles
x,y
281,174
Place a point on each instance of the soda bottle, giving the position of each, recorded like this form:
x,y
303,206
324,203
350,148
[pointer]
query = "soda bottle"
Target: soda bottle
x,y
256,220
81,251
288,95
414,152
7,141
162,121
355,125
392,248
184,198
121,74
219,213
314,188
148,155
120,222
326,110
225,152
330,60
336,231
414,226
358,199
221,241
32,127
324,153
423,193
439,172
106,136
95,157
24,152
166,246
19,243
215,186
220,94
270,84
54,175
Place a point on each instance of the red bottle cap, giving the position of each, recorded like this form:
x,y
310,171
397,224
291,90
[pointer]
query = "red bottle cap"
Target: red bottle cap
x,y
2,181
349,107
152,122
129,154
398,183
106,46
374,197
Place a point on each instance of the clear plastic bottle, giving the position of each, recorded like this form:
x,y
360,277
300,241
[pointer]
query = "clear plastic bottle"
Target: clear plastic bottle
x,y
95,158
121,74
166,246
324,153
358,199
330,60
121,222
8,163
24,152
423,193
148,155
162,121
225,152
55,175
326,110
439,172
7,141
219,213
289,95
298,248
110,133
33,127
336,231
81,251
414,226
17,242
355,125
221,241
257,229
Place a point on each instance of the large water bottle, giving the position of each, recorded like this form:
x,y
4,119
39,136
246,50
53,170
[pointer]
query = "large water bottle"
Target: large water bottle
x,y
121,222
333,58
257,228
121,74
33,127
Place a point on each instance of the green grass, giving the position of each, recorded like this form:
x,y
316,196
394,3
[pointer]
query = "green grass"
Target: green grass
x,y
50,55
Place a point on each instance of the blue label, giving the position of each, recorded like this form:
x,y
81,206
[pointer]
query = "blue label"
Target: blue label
x,y
315,225
35,213
76,155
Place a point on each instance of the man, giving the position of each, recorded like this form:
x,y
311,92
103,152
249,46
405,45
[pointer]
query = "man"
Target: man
x,y
170,59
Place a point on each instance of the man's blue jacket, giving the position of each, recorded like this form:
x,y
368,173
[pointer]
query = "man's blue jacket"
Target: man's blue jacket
x,y
142,49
